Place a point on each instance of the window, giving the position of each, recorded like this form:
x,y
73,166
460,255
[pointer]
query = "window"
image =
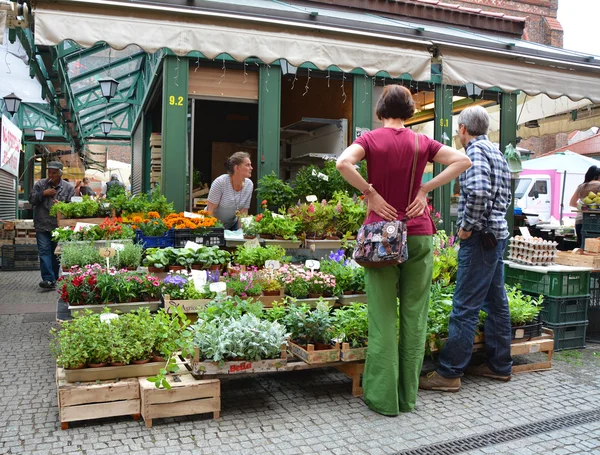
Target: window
x,y
539,187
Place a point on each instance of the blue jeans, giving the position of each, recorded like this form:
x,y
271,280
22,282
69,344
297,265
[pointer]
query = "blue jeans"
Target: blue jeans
x,y
49,266
479,286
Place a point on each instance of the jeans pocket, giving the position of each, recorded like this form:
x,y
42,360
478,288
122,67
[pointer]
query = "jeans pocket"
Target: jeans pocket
x,y
489,257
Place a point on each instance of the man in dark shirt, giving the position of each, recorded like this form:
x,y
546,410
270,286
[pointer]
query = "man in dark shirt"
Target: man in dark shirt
x,y
44,194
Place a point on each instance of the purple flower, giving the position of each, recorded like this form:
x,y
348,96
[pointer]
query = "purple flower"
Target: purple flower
x,y
337,256
176,280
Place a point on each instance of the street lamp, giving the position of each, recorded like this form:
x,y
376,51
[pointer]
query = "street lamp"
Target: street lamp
x,y
473,91
12,103
105,126
39,134
108,87
287,67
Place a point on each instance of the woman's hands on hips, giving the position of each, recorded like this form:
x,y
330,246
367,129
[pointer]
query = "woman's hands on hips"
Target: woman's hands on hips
x,y
417,206
377,204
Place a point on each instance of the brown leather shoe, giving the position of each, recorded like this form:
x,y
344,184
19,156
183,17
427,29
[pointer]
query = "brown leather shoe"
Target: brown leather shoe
x,y
433,381
485,371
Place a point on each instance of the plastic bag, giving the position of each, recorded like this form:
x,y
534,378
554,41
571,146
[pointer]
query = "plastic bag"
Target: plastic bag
x,y
513,158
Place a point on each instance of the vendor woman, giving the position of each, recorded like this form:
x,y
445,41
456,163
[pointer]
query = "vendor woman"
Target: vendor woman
x,y
230,194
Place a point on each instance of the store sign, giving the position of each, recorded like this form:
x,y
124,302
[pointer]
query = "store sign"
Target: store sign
x,y
10,147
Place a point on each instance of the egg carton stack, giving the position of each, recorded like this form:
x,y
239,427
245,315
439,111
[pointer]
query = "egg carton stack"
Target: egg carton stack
x,y
532,251
155,158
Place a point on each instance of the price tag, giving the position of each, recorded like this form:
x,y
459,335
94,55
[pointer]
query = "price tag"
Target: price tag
x,y
252,243
193,245
192,215
106,252
82,226
219,286
106,317
199,279
117,246
525,232
311,198
312,264
323,176
76,199
273,265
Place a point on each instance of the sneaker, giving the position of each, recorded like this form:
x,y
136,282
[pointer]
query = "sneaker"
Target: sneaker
x,y
47,284
433,381
485,371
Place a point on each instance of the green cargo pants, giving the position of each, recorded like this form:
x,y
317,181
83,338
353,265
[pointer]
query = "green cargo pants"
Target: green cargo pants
x,y
393,365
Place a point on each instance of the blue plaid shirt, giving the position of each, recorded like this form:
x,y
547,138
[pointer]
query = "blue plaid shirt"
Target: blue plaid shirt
x,y
485,192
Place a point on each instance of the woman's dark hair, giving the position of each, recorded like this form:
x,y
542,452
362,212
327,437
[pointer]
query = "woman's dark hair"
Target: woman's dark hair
x,y
235,160
395,102
592,174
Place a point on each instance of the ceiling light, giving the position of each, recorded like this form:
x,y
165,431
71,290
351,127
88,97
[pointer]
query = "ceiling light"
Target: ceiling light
x,y
108,87
12,103
106,126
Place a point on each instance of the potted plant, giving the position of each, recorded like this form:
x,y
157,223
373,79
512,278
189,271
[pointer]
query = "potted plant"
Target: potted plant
x,y
212,258
284,228
250,226
271,282
351,213
77,254
140,335
276,192
320,284
257,256
68,344
309,327
130,257
313,218
245,284
156,260
351,325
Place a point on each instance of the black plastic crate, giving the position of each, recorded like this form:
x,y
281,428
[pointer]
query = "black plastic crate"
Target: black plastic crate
x,y
20,257
568,336
526,332
593,330
216,237
591,222
565,310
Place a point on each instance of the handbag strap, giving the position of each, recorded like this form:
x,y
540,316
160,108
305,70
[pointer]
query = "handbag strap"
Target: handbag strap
x,y
414,169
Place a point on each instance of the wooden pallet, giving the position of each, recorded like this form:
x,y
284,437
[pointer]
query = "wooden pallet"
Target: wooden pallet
x,y
188,396
25,241
543,343
94,400
111,372
310,356
201,368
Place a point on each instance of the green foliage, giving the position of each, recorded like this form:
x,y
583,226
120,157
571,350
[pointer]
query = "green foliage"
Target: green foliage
x,y
440,306
306,326
523,308
79,254
86,208
130,256
245,285
351,325
445,259
280,225
276,192
351,212
140,203
307,182
153,227
156,257
276,312
115,190
257,256
209,256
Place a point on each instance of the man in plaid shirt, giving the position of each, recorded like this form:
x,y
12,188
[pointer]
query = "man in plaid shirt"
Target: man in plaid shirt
x,y
484,198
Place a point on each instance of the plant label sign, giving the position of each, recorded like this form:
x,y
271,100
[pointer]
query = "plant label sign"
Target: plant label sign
x,y
106,317
82,226
219,286
199,279
192,245
311,198
525,232
76,199
252,243
106,252
192,215
273,265
312,264
117,246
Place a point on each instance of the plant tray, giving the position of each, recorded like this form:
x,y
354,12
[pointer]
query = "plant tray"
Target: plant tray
x,y
313,302
187,396
107,373
310,356
348,299
122,307
323,244
216,237
526,332
292,244
201,368
72,222
348,354
163,241
188,306
92,400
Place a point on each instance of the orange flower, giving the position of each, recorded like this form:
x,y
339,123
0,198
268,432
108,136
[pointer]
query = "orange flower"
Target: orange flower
x,y
153,215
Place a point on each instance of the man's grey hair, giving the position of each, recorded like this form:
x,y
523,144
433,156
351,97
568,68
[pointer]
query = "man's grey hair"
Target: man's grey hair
x,y
475,119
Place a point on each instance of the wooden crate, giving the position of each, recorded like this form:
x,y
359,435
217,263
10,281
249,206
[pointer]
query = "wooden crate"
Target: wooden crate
x,y
543,344
114,307
578,258
188,396
110,372
188,306
24,241
94,400
71,222
592,245
310,356
348,354
354,371
282,243
24,225
323,244
201,368
8,225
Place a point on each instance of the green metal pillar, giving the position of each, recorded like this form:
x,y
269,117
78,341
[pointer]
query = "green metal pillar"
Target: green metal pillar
x,y
269,119
146,151
362,105
443,124
508,135
28,169
174,130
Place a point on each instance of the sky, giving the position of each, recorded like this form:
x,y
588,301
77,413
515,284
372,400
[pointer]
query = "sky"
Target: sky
x,y
580,20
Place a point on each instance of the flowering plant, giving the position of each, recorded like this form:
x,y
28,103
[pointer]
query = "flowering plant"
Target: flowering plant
x,y
320,283
314,218
245,284
270,280
295,280
180,287
445,258
153,227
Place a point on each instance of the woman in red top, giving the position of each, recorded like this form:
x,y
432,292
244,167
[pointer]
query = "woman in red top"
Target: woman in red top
x,y
392,369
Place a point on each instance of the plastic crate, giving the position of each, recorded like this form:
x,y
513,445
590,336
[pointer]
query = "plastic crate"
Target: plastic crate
x,y
568,336
591,222
593,330
549,284
20,257
526,332
163,241
565,310
216,237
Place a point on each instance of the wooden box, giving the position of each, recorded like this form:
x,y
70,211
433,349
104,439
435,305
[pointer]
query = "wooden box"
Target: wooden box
x,y
25,241
322,244
348,354
201,368
24,225
72,222
310,356
8,225
93,400
114,307
110,372
187,396
188,306
592,245
578,258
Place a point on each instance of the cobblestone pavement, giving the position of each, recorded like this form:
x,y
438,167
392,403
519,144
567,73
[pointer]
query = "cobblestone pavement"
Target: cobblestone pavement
x,y
303,412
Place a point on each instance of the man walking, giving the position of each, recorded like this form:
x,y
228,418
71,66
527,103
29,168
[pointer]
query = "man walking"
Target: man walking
x,y
484,197
45,193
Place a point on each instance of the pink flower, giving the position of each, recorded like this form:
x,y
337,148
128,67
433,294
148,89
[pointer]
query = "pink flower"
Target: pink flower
x,y
311,208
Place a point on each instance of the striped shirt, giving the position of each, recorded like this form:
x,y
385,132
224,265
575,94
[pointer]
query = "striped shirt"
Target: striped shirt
x,y
229,201
485,191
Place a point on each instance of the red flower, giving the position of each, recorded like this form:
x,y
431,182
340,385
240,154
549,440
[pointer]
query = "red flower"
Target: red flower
x,y
259,217
311,208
